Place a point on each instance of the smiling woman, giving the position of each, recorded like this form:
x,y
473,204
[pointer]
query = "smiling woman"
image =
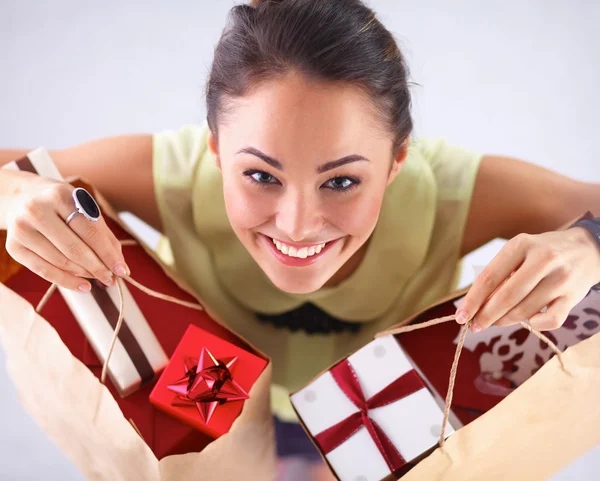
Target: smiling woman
x,y
303,211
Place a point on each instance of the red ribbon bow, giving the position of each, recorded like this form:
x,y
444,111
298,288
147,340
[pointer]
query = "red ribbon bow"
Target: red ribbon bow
x,y
346,378
207,382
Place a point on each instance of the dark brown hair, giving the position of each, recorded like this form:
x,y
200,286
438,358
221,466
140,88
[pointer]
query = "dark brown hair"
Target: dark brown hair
x,y
327,40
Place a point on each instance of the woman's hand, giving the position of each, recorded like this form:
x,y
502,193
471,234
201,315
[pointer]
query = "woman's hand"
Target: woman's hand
x,y
39,238
553,270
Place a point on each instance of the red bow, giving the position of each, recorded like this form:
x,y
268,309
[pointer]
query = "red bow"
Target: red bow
x,y
206,384
347,380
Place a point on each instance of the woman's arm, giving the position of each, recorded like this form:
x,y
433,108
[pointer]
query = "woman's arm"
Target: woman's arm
x,y
512,197
119,167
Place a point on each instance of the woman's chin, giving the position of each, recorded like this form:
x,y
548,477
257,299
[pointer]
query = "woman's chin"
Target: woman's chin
x,y
294,281
293,285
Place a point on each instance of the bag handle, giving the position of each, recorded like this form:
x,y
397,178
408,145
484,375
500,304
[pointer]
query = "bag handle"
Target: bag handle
x,y
150,292
461,342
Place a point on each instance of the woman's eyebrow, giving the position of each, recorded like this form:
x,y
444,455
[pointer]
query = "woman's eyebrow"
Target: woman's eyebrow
x,y
269,160
343,161
322,168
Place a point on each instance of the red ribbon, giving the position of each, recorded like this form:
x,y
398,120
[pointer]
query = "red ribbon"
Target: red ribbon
x,y
345,377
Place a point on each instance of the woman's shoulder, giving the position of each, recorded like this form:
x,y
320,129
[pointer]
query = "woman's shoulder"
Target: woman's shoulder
x,y
454,167
176,153
182,170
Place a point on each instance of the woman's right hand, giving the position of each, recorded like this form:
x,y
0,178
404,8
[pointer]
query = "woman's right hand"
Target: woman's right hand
x,y
39,238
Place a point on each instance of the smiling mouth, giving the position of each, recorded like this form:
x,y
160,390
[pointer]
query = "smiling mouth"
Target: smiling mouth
x,y
297,255
299,252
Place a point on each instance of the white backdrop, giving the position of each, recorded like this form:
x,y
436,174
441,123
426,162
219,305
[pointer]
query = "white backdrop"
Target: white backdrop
x,y
502,77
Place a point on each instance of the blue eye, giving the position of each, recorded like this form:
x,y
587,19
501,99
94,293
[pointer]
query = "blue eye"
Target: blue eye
x,y
341,183
261,177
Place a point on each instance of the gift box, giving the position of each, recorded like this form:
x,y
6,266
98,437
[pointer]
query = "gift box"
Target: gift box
x,y
206,382
37,162
137,357
373,415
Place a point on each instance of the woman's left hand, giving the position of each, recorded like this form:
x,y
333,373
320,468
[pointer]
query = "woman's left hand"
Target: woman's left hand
x,y
554,270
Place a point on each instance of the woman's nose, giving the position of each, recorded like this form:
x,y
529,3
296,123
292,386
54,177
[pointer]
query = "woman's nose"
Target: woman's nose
x,y
299,216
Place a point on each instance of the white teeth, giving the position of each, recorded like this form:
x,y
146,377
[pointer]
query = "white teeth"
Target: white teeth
x,y
301,253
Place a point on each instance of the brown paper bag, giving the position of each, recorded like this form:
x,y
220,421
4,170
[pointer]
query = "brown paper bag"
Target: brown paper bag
x,y
540,427
551,419
81,416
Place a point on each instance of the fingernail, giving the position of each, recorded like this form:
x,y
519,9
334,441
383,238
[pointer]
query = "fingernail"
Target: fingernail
x,y
476,327
109,282
84,287
462,316
120,270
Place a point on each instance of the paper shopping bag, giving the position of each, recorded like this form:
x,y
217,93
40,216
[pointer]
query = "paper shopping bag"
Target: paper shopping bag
x,y
531,433
88,420
534,426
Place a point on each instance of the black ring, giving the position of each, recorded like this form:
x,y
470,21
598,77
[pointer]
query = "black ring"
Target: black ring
x,y
86,204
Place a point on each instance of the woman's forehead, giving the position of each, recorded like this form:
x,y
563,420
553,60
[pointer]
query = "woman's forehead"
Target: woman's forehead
x,y
304,113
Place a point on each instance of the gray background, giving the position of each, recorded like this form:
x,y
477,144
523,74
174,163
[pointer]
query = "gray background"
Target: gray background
x,y
504,77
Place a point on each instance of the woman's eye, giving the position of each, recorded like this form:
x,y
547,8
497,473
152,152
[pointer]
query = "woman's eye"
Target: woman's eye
x,y
341,183
261,177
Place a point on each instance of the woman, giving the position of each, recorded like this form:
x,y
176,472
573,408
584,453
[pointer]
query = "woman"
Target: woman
x,y
303,211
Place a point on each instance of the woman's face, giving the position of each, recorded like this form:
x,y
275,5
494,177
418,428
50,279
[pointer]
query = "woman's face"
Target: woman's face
x,y
305,166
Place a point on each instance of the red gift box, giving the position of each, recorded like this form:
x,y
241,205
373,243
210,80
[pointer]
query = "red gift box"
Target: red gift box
x,y
201,353
164,434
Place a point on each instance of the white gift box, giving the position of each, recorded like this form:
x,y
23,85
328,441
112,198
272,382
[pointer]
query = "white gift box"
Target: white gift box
x,y
412,424
137,357
37,162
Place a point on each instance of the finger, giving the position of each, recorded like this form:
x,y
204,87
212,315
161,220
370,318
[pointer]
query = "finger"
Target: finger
x,y
36,242
47,271
541,296
510,257
102,241
510,294
555,316
96,235
72,247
